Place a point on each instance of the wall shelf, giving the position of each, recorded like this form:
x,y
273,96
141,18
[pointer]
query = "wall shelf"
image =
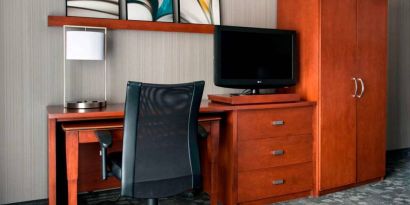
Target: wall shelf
x,y
130,25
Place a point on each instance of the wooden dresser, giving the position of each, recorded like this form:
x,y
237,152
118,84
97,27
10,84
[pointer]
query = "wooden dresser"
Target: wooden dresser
x,y
266,153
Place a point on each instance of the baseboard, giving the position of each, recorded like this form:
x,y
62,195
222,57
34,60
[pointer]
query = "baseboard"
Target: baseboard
x,y
398,154
343,188
282,198
34,202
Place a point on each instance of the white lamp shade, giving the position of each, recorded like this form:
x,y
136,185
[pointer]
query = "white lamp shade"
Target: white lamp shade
x,y
85,45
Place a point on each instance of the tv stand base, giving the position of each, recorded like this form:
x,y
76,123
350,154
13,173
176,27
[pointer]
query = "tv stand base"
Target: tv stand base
x,y
254,99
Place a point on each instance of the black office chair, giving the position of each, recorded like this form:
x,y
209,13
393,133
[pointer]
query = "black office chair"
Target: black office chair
x,y
160,156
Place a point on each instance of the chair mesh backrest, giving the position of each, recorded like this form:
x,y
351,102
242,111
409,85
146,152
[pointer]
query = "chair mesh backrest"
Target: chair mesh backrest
x,y
160,133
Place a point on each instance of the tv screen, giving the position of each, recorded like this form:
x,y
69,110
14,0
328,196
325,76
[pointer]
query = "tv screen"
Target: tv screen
x,y
255,57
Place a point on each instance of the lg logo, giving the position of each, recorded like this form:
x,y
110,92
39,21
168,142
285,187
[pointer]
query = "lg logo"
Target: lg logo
x,y
259,82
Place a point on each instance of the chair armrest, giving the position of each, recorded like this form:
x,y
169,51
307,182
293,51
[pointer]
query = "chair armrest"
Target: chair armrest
x,y
202,133
104,137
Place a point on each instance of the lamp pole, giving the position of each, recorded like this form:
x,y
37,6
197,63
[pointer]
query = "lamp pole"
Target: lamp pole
x,y
84,104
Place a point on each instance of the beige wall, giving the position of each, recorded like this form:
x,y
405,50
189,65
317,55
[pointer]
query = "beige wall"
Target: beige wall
x,y
399,75
31,59
31,77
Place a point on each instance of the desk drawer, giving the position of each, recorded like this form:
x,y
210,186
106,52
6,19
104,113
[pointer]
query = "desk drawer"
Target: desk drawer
x,y
274,152
272,182
257,124
89,136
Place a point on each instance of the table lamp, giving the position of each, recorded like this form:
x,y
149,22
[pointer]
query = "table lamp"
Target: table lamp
x,y
85,45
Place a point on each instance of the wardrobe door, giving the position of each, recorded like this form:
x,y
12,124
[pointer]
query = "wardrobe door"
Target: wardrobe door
x,y
337,114
371,107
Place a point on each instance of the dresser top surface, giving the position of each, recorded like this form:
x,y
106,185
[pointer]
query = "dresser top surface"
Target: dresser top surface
x,y
117,110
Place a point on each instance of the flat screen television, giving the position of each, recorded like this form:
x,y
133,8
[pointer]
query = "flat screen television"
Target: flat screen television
x,y
253,58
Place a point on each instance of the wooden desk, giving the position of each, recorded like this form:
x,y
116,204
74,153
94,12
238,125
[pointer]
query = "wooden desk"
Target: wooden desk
x,y
63,171
250,171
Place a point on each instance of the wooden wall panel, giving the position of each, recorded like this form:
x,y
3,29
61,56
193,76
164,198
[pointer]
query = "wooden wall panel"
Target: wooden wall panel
x,y
304,15
31,60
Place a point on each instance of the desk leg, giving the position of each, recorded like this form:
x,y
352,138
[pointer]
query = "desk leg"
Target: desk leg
x,y
52,168
71,141
214,144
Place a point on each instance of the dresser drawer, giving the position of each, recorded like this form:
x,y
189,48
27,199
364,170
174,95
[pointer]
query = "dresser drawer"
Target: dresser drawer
x,y
272,182
274,152
257,124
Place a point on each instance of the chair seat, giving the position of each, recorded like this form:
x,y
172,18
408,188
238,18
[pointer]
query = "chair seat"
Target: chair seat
x,y
157,188
115,159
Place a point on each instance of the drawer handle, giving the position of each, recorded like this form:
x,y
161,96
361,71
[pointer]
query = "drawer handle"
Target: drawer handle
x,y
278,123
278,152
278,182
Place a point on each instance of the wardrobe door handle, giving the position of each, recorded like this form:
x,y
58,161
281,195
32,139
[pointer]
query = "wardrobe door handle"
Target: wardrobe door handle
x,y
278,182
278,152
362,84
355,87
278,123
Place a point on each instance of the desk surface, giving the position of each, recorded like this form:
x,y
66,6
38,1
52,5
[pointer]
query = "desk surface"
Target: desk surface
x,y
117,110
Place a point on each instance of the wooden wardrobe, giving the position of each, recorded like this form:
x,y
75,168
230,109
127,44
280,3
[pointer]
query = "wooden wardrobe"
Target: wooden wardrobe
x,y
343,60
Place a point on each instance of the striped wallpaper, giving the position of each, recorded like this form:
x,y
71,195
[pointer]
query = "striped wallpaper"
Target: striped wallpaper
x,y
398,124
31,60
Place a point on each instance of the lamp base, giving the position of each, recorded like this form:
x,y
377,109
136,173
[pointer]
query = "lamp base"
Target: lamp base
x,y
85,104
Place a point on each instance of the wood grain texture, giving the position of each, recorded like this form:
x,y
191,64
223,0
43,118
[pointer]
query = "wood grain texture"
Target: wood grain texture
x,y
328,191
116,111
338,108
89,136
236,152
258,184
303,16
71,146
83,163
52,182
228,159
130,25
89,125
371,108
259,124
213,143
209,149
296,149
89,163
254,99
344,52
31,77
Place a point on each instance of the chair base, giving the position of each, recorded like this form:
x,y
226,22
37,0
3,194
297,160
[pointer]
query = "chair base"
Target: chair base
x,y
152,201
